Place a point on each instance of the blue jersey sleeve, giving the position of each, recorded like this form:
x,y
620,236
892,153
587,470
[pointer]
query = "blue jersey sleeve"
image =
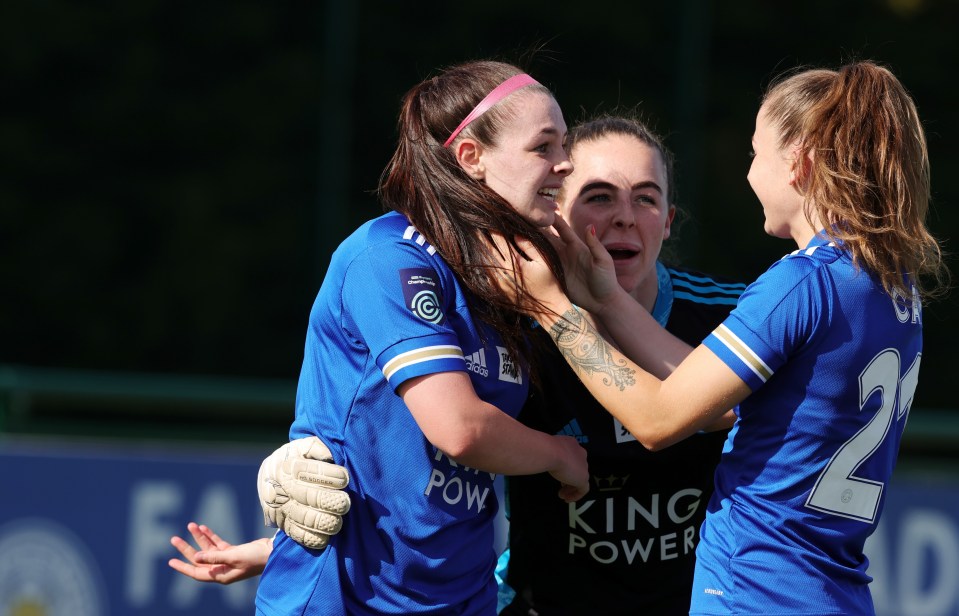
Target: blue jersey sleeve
x,y
775,317
398,300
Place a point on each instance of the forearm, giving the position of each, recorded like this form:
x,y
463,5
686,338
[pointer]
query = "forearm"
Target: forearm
x,y
494,442
658,414
476,433
640,337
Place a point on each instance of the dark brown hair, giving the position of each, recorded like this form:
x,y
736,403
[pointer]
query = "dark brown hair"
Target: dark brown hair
x,y
455,212
628,124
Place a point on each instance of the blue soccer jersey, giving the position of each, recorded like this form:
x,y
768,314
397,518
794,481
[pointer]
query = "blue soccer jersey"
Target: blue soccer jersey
x,y
419,535
833,364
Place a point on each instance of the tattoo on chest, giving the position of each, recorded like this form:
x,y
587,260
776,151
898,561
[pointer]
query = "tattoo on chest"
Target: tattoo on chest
x,y
587,352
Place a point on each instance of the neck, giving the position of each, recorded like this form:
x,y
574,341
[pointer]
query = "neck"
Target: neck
x,y
646,291
804,230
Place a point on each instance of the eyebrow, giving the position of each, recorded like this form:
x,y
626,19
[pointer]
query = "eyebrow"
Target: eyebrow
x,y
603,185
551,132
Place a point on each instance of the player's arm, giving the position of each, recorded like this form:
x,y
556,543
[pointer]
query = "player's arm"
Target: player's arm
x,y
479,435
592,283
643,340
302,491
640,337
696,396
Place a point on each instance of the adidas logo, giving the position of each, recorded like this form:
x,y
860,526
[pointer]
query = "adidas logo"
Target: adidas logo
x,y
477,363
573,429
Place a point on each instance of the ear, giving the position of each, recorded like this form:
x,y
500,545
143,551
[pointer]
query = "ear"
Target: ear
x,y
469,155
800,168
670,215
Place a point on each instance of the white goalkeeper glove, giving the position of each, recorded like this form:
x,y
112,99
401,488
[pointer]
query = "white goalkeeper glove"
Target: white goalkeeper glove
x,y
302,492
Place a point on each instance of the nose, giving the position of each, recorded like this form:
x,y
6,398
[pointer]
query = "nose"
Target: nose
x,y
623,215
564,167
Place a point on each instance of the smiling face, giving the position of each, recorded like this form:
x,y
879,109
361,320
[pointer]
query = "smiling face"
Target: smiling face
x,y
528,163
772,176
619,187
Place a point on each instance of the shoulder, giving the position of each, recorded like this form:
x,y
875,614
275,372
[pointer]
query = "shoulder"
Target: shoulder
x,y
385,243
810,259
389,229
807,268
791,304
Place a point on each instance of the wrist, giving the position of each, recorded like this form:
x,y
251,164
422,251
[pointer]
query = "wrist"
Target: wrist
x,y
552,310
613,304
570,325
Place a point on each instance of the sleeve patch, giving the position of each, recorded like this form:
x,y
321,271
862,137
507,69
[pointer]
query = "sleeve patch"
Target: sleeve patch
x,y
421,290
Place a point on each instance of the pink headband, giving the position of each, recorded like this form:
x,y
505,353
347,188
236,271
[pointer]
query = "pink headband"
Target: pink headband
x,y
499,93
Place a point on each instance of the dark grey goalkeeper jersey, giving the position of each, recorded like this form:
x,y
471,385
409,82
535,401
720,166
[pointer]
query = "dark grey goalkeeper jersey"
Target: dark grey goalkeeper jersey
x,y
628,547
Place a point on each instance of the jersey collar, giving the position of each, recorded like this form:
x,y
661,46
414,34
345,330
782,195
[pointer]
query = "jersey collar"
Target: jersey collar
x,y
664,295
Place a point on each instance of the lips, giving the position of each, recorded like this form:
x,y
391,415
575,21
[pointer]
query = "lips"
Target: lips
x,y
622,252
549,193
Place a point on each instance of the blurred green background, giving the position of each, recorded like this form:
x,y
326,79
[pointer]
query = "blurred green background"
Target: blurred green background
x,y
176,174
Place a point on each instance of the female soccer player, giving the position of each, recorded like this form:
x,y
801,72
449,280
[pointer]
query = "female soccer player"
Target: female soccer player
x,y
630,546
415,360
819,360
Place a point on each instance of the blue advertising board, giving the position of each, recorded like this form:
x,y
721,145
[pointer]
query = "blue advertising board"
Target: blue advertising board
x,y
914,553
85,531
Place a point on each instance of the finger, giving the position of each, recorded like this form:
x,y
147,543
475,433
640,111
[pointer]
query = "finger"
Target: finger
x,y
558,244
197,573
313,518
213,539
199,536
550,231
571,493
306,537
335,502
213,557
507,253
564,231
314,473
317,450
234,556
183,547
223,574
529,249
501,245
596,248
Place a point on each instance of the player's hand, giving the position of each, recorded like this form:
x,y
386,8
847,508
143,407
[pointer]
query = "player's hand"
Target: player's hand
x,y
219,561
523,265
573,474
590,270
303,493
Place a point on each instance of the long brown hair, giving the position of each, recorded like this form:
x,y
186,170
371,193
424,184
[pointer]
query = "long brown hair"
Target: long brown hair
x,y
455,212
869,179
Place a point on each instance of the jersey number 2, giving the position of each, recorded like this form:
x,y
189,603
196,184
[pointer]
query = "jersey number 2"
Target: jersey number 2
x,y
837,490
